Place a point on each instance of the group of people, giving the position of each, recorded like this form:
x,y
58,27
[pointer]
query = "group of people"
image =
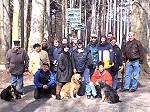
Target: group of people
x,y
53,67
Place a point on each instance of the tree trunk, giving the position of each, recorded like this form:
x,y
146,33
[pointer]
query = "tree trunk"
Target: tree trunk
x,y
22,22
93,25
15,30
103,18
139,25
36,23
28,23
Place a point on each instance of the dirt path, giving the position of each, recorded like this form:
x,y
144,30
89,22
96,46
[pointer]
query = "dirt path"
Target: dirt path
x,y
138,101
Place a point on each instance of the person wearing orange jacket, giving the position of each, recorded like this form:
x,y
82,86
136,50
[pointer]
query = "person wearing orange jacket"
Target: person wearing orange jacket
x,y
102,74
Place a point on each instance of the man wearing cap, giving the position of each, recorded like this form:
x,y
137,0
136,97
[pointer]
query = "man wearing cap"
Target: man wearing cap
x,y
44,81
93,47
37,58
17,62
81,60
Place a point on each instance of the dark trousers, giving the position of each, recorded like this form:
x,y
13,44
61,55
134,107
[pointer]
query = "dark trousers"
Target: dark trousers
x,y
40,91
98,90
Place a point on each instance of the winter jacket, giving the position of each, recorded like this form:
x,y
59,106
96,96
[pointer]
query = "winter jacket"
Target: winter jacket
x,y
37,60
105,76
133,51
64,68
43,78
94,52
53,54
106,55
17,61
117,58
81,60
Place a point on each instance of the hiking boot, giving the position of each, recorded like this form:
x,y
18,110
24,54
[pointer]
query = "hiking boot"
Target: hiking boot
x,y
132,90
88,96
124,90
58,97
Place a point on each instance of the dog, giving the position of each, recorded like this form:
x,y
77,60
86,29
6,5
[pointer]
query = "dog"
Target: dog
x,y
108,93
70,89
10,94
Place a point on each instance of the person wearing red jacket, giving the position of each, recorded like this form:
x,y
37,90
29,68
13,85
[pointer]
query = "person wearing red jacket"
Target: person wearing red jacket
x,y
102,74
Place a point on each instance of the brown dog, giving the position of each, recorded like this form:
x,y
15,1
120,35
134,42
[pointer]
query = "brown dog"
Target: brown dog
x,y
70,89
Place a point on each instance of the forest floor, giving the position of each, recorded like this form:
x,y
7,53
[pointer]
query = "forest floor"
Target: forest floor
x,y
138,101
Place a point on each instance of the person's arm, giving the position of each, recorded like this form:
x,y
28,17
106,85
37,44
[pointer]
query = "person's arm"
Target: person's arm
x,y
60,62
26,60
94,78
50,55
52,79
111,54
120,57
36,77
73,62
141,52
108,78
47,58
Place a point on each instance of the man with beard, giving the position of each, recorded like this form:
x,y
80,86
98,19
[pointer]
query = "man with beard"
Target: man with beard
x,y
44,45
93,48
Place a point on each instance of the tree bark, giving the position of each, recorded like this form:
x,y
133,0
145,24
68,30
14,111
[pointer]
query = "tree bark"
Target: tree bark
x,y
36,23
139,25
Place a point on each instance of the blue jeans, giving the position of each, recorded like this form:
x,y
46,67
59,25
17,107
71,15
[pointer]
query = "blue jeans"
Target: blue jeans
x,y
115,80
94,92
87,81
20,79
135,69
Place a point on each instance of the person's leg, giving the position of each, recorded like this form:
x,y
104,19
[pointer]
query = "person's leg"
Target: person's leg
x,y
115,80
129,71
53,89
81,90
58,89
20,79
94,92
14,80
37,93
98,90
87,81
135,75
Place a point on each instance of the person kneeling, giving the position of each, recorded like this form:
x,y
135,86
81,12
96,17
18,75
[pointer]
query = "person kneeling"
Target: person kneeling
x,y
102,74
44,81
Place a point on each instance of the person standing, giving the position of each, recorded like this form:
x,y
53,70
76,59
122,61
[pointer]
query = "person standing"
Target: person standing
x,y
93,47
105,53
45,45
37,58
134,53
118,64
53,54
64,70
17,62
81,60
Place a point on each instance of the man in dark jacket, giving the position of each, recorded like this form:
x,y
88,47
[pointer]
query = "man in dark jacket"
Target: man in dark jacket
x,y
118,64
44,81
134,53
81,60
17,62
93,47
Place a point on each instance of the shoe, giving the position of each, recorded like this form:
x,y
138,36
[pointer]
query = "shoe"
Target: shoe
x,y
132,90
21,93
94,97
88,96
124,90
58,97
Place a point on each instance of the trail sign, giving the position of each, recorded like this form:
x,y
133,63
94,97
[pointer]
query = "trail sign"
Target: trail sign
x,y
73,15
78,26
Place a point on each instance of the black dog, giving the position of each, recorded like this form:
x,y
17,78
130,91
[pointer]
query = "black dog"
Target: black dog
x,y
10,94
108,93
